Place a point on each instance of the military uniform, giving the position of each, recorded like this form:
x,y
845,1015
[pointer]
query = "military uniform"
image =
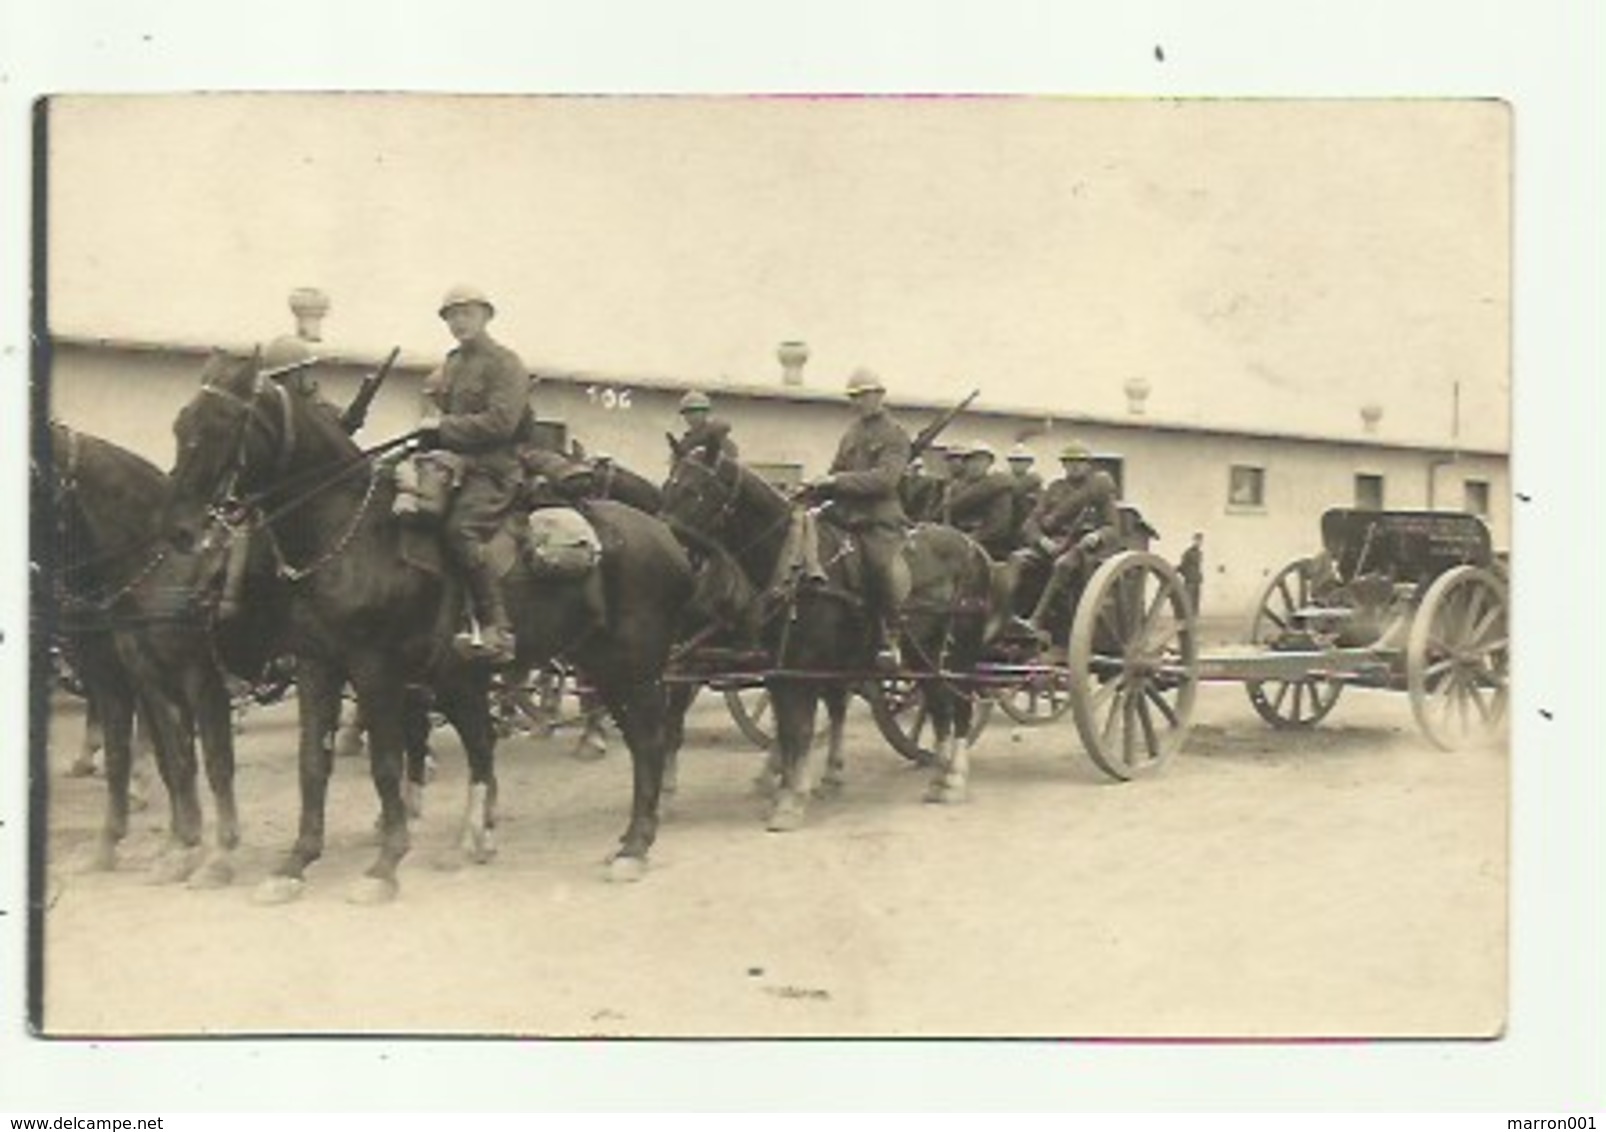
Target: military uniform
x,y
478,407
1072,522
984,508
863,489
484,404
1026,488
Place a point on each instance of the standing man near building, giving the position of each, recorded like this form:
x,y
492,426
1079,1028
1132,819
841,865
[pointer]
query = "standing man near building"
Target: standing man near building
x,y
862,486
1191,567
1027,485
1076,518
481,412
981,502
697,410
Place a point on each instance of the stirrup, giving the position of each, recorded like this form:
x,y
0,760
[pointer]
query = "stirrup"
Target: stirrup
x,y
495,646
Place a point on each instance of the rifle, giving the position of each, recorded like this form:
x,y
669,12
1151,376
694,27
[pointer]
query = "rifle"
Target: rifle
x,y
924,438
357,412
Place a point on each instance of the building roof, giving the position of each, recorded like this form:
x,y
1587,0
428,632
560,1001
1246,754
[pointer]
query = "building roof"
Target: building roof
x,y
775,391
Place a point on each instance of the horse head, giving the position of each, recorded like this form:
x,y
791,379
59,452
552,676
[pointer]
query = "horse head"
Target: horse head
x,y
225,437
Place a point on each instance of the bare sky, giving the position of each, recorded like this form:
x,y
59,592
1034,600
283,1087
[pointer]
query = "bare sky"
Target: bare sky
x,y
1264,264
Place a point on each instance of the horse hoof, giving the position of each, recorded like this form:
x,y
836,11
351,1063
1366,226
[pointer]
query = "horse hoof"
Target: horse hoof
x,y
947,793
102,858
82,767
785,819
626,870
216,873
175,866
590,749
829,787
373,890
278,890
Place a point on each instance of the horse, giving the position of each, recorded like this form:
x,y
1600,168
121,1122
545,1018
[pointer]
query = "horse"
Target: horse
x,y
373,604
815,629
124,602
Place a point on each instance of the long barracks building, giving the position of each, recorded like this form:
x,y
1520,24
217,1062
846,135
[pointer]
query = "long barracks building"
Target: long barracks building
x,y
1255,494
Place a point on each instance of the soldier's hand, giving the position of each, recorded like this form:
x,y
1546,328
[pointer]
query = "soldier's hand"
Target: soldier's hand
x,y
1090,542
1048,545
427,437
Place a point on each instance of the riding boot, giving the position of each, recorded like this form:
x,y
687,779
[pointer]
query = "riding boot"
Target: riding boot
x,y
495,642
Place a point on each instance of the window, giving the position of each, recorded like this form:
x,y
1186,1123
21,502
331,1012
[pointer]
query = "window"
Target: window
x,y
1116,467
1368,492
1246,487
553,436
785,477
1477,498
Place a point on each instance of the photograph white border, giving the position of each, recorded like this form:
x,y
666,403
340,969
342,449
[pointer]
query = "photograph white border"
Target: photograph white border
x,y
1543,56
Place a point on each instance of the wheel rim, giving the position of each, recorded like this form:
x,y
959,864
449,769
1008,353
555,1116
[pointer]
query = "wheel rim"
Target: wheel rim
x,y
1133,665
1458,658
750,708
1292,704
1044,698
900,713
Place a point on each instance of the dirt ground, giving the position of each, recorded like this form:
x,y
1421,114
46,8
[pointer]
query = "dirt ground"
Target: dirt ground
x,y
1350,881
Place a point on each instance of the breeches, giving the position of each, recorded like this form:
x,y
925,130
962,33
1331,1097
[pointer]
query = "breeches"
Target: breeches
x,y
886,578
482,502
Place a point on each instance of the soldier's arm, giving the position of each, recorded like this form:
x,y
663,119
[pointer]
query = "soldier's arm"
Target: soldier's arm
x,y
892,457
508,396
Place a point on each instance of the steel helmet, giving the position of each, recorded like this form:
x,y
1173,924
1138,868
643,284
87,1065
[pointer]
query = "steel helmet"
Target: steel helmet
x,y
864,380
981,448
462,295
284,351
1021,454
1076,450
695,400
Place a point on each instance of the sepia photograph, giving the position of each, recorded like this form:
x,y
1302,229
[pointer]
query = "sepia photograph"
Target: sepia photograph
x,y
772,567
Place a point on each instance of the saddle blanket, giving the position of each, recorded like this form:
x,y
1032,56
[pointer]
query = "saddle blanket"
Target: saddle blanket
x,y
562,543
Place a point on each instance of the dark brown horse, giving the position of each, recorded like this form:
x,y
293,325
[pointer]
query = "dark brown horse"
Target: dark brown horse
x,y
363,612
815,631
129,607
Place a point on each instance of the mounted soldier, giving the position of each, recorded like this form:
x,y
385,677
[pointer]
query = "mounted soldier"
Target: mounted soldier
x,y
1074,520
697,411
981,502
862,489
478,410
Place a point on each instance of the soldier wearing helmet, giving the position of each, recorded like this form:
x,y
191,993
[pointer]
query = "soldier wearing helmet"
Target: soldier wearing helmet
x,y
862,487
981,502
1026,485
480,411
1073,523
702,426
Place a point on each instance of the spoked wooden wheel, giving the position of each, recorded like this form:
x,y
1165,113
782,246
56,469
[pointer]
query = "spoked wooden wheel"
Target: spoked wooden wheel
x,y
1458,657
900,712
750,708
1043,697
1288,703
1133,665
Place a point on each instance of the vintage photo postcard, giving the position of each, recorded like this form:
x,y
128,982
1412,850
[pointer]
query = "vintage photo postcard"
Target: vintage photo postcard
x,y
772,567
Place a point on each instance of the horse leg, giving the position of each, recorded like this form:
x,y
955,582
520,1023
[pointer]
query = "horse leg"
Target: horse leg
x,y
794,705
836,711
415,723
318,710
593,742
94,741
951,712
381,697
466,701
678,703
174,730
214,716
639,711
114,720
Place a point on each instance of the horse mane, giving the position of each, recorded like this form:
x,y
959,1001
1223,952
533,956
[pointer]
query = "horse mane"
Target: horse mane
x,y
126,491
